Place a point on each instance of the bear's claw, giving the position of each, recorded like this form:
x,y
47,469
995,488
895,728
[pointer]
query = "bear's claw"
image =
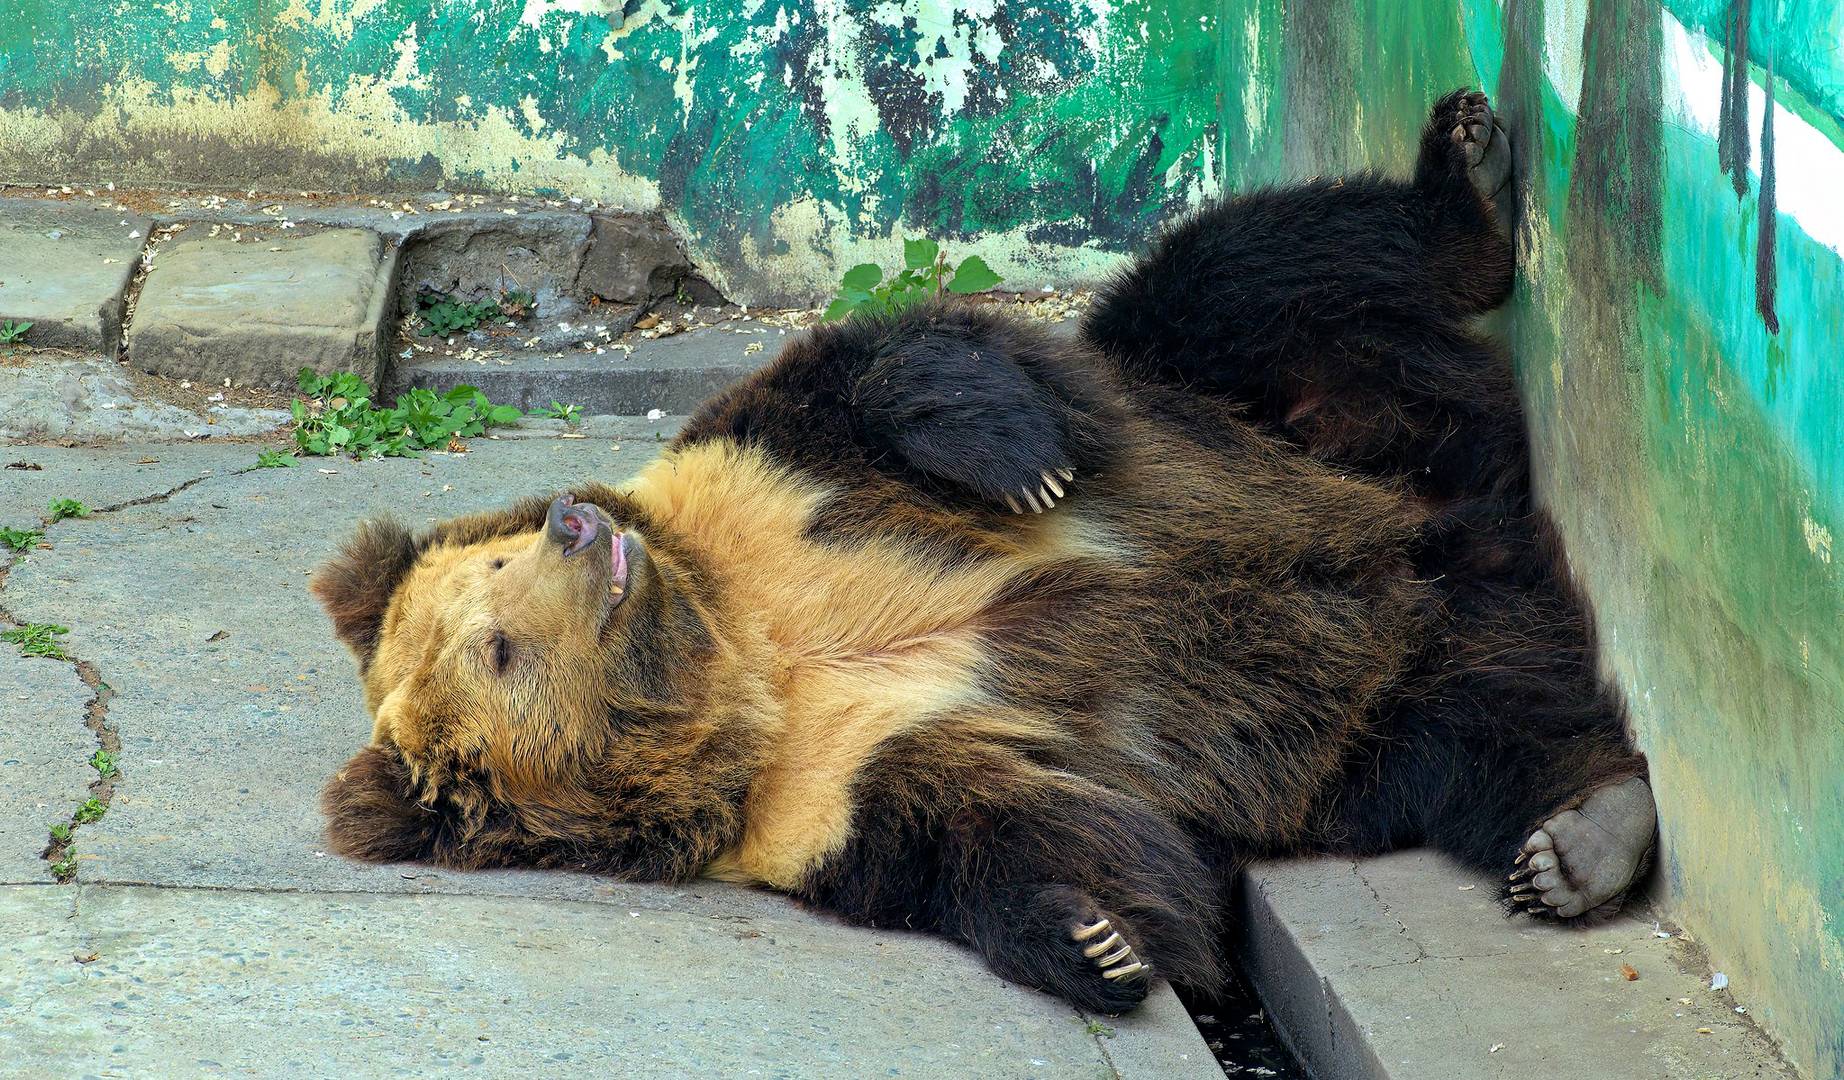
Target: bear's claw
x,y
1046,494
1111,954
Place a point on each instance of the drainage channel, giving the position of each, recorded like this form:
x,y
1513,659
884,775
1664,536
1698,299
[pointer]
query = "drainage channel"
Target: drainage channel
x,y
1238,1032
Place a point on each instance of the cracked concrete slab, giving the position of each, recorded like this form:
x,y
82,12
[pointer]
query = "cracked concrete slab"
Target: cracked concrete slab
x,y
101,476
234,704
257,311
1403,967
209,983
65,267
44,771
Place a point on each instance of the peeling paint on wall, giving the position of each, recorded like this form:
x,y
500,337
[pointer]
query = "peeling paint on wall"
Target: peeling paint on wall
x,y
1680,351
1054,135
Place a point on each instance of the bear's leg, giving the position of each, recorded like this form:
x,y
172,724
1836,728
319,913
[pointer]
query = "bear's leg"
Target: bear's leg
x,y
1264,285
1563,813
1508,752
1338,311
1084,893
1058,883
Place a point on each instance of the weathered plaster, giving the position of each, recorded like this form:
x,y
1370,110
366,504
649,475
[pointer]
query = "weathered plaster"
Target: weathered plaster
x,y
1054,136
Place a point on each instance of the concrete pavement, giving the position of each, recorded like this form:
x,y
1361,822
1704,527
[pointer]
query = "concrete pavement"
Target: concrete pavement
x,y
209,933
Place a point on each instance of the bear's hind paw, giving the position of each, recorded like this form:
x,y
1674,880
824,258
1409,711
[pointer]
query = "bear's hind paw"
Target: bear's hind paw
x,y
1582,861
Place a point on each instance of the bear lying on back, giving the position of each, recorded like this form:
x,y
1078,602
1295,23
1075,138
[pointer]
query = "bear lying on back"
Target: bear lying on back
x,y
945,621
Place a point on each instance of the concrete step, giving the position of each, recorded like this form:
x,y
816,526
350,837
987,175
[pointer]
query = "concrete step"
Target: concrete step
x,y
65,268
1403,967
256,310
673,374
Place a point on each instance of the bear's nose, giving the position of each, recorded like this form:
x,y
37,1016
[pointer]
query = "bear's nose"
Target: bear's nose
x,y
573,526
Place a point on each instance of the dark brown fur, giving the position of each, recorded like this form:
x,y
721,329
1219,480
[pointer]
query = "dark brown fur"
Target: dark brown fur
x,y
1295,599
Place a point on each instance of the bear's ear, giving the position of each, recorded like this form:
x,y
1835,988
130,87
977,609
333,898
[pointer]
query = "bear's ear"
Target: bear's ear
x,y
370,812
356,585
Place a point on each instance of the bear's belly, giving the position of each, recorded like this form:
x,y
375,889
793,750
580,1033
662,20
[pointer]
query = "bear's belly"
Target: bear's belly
x,y
838,714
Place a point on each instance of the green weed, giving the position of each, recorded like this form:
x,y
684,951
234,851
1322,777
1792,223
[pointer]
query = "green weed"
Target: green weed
x,y
104,763
66,867
444,315
569,414
21,539
274,459
90,812
12,333
38,639
1096,1027
925,274
343,420
67,508
60,831
517,304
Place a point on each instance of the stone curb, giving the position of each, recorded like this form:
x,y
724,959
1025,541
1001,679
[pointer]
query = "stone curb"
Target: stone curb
x,y
1403,967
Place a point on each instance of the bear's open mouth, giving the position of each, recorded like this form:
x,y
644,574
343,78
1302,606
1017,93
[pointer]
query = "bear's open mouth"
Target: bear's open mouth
x,y
580,527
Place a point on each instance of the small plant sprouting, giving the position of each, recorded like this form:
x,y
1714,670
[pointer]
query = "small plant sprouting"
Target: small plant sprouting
x,y
21,539
1096,1027
274,459
12,333
445,315
569,414
516,303
104,763
67,508
925,274
60,831
91,811
66,868
38,639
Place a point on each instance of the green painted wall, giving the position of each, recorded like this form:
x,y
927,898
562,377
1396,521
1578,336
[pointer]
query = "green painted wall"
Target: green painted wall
x,y
785,138
1682,349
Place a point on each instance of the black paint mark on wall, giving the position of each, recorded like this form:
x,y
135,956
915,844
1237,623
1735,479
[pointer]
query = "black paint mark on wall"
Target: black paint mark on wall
x,y
1732,122
1766,281
1733,150
1615,190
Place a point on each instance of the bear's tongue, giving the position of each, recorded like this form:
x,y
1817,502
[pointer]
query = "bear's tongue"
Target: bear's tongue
x,y
617,564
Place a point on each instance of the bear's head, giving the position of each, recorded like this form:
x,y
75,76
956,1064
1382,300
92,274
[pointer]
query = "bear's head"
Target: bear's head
x,y
551,685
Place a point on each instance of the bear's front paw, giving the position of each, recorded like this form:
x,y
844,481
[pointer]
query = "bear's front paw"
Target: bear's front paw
x,y
1057,939
1044,495
1111,955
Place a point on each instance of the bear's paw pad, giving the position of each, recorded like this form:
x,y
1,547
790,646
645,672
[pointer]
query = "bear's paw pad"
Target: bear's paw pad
x,y
1482,143
1584,859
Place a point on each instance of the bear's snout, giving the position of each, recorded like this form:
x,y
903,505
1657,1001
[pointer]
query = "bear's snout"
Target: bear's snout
x,y
574,526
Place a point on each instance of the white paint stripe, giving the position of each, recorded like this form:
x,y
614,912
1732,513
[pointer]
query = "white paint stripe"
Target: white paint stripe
x,y
1808,169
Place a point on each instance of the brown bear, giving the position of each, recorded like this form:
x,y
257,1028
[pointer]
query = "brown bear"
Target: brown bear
x,y
946,621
